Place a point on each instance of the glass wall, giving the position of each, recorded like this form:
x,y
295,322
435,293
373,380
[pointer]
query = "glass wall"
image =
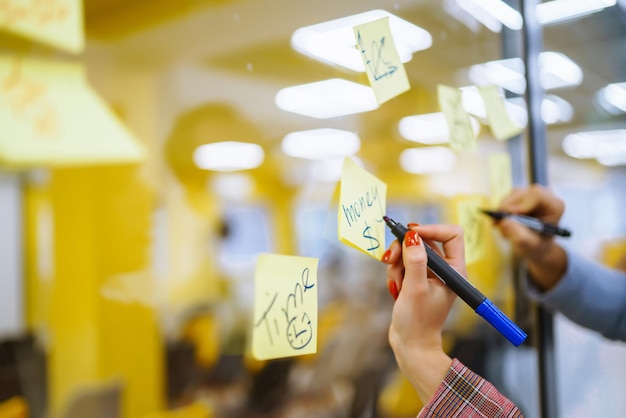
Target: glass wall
x,y
138,281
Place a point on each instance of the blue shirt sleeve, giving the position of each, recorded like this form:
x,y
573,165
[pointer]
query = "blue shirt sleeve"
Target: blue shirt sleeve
x,y
589,294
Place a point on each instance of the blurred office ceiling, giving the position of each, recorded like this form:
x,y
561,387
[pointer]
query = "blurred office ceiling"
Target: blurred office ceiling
x,y
250,40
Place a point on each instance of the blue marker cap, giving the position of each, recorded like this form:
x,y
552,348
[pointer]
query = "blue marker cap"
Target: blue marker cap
x,y
501,322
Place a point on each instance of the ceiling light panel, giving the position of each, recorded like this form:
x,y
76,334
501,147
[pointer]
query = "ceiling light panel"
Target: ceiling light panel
x,y
427,160
327,98
612,98
430,128
333,41
560,10
608,147
228,156
319,144
556,71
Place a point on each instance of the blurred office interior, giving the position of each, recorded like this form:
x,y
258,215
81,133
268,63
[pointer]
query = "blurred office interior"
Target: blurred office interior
x,y
128,239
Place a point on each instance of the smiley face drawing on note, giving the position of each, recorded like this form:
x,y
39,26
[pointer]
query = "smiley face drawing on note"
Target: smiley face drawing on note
x,y
285,306
362,205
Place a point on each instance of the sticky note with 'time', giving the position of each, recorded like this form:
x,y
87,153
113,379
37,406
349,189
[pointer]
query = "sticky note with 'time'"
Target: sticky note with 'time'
x,y
285,306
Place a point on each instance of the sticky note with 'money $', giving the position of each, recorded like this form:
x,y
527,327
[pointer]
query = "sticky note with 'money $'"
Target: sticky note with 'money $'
x,y
383,66
362,205
462,136
285,306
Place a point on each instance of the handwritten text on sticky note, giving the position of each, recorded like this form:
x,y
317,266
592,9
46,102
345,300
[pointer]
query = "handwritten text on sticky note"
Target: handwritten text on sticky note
x,y
285,306
56,22
362,205
383,66
462,136
502,127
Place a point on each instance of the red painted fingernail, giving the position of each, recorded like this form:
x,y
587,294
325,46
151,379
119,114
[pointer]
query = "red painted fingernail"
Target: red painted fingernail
x,y
393,289
386,256
412,224
411,238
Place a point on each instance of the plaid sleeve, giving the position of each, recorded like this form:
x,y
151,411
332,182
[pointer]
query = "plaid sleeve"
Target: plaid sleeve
x,y
464,394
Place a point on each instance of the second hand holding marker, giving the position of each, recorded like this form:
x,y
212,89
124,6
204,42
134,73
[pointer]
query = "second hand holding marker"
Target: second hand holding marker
x,y
535,224
464,289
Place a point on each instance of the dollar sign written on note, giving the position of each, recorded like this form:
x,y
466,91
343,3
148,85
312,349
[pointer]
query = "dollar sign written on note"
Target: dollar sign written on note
x,y
373,241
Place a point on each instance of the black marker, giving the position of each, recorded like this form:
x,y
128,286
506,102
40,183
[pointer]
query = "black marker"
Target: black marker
x,y
535,224
464,289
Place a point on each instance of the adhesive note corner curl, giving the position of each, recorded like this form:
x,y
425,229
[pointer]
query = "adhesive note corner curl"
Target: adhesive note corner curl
x,y
285,306
502,127
383,66
362,205
50,116
58,23
472,220
462,136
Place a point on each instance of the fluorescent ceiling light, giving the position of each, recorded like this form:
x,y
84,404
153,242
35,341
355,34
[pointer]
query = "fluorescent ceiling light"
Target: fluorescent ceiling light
x,y
493,14
516,108
473,102
559,10
333,41
427,160
613,98
326,99
556,110
236,187
228,156
556,71
430,128
506,73
324,143
607,147
327,170
553,110
453,8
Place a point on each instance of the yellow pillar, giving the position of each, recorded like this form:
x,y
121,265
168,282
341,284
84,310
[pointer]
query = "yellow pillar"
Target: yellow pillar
x,y
100,225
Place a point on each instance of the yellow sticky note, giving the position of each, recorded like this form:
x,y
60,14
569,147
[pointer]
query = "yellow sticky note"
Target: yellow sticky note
x,y
362,205
502,127
58,23
462,136
50,116
500,177
383,66
285,306
472,220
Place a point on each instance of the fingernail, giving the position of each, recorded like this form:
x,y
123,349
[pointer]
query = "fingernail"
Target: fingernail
x,y
393,289
412,224
386,256
411,238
